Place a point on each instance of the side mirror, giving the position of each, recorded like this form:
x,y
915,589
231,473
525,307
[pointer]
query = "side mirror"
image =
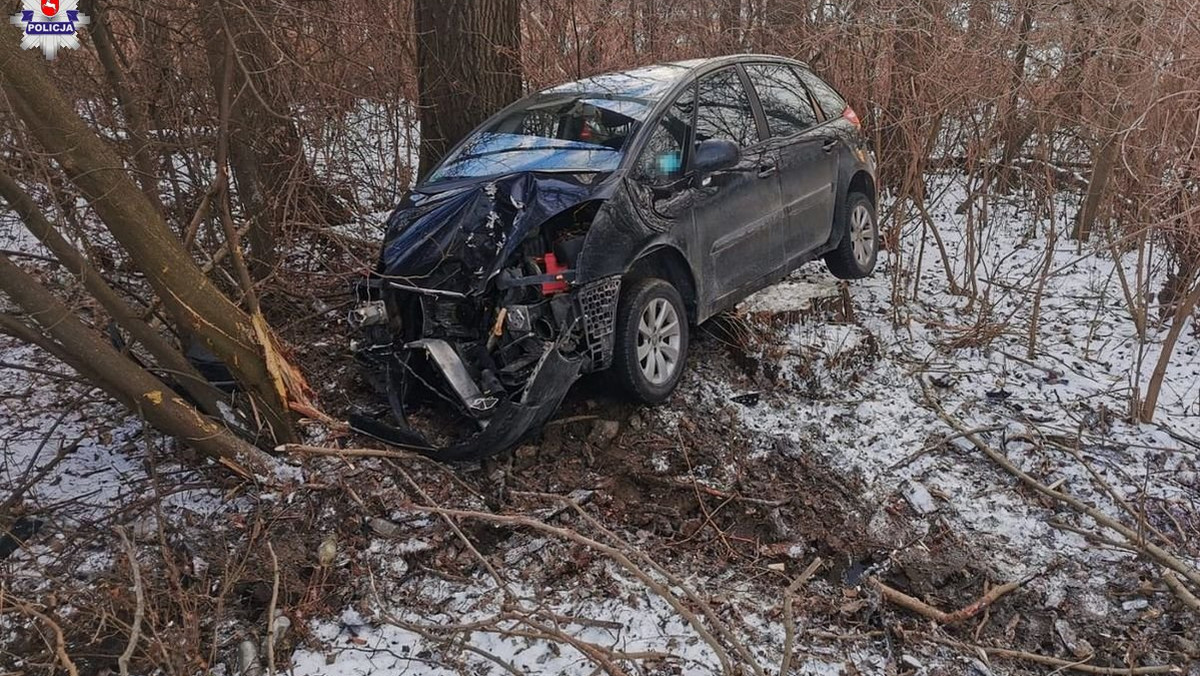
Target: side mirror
x,y
715,155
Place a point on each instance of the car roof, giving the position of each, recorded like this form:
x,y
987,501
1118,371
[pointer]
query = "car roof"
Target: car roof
x,y
655,81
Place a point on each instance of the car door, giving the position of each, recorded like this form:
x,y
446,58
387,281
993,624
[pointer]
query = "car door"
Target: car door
x,y
736,211
808,158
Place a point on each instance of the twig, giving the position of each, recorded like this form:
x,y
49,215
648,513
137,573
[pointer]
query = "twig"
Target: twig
x,y
60,641
706,609
904,462
346,452
612,552
44,372
1112,493
789,621
501,583
135,629
271,610
1181,591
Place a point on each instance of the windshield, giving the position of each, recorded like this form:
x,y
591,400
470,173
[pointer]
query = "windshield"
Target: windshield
x,y
554,131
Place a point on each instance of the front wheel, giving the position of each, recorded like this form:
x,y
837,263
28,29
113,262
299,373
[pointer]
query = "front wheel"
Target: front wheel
x,y
651,341
856,254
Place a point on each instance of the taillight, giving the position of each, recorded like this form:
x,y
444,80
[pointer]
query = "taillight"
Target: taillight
x,y
852,117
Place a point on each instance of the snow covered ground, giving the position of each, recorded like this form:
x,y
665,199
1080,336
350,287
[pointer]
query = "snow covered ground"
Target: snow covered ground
x,y
840,397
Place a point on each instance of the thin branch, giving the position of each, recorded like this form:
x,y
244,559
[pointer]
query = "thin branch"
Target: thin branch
x,y
135,629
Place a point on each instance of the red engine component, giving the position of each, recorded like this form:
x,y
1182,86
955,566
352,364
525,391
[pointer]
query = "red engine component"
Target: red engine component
x,y
553,268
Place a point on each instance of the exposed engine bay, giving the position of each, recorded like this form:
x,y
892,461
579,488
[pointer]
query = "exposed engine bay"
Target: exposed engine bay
x,y
478,306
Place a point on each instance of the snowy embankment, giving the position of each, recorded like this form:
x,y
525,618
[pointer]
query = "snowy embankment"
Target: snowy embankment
x,y
853,395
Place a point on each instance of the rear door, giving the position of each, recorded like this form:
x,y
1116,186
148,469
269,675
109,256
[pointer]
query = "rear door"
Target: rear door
x,y
808,158
737,211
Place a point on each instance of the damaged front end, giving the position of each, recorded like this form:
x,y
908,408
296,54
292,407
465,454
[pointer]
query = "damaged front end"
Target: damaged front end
x,y
477,307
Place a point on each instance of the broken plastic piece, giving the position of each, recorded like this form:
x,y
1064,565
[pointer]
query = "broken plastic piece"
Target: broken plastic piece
x,y
455,372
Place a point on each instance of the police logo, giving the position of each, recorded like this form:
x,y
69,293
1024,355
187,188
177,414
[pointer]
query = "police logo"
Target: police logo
x,y
50,25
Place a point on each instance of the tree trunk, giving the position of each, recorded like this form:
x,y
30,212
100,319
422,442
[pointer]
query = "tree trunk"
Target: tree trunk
x,y
187,294
1012,124
1103,161
468,67
730,25
86,351
1107,146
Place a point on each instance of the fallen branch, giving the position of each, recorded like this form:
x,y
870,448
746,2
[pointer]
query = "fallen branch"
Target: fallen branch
x,y
1189,599
271,609
346,452
613,553
60,641
1149,549
1059,664
705,609
941,617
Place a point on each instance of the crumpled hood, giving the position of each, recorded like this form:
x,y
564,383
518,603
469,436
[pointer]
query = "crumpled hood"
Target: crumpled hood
x,y
478,226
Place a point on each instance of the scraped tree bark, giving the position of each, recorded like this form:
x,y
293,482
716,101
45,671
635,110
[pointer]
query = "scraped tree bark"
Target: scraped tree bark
x,y
468,67
239,339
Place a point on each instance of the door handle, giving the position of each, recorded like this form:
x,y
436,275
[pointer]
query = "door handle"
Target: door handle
x,y
829,146
767,170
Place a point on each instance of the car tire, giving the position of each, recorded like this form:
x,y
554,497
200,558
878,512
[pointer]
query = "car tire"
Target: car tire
x,y
857,253
651,343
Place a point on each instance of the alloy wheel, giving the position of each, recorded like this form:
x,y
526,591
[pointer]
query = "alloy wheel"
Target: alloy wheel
x,y
658,341
862,235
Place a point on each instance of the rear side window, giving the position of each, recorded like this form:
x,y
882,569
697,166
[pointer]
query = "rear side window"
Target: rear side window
x,y
663,158
831,102
723,110
784,99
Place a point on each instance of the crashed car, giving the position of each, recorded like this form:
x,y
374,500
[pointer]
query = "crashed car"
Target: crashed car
x,y
587,226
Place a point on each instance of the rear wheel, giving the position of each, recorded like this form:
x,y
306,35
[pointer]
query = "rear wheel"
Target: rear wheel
x,y
652,340
858,251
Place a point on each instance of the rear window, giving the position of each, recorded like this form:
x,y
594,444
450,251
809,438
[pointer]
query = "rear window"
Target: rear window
x,y
831,102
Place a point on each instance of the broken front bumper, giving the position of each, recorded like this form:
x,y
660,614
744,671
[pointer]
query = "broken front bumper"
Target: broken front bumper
x,y
574,334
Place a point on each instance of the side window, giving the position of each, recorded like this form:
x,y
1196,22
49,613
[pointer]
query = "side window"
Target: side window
x,y
831,102
723,110
662,159
784,99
